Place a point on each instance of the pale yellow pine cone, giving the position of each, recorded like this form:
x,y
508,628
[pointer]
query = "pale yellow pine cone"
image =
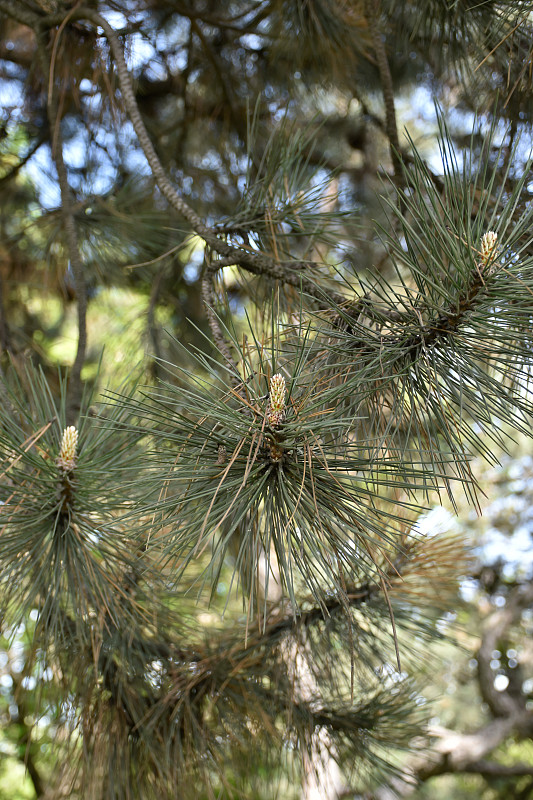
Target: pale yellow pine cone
x,y
276,407
489,243
68,450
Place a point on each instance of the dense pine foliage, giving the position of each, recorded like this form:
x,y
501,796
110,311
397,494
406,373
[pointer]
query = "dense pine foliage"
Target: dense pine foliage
x,y
303,231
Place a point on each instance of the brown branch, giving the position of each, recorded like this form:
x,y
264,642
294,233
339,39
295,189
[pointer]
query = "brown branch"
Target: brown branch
x,y
495,629
228,24
491,769
185,77
371,13
406,156
16,11
455,753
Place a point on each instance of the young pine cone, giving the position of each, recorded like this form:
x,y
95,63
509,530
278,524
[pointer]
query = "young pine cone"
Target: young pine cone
x,y
276,404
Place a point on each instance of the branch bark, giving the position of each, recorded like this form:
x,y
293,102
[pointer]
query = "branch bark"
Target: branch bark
x,y
455,753
495,628
371,14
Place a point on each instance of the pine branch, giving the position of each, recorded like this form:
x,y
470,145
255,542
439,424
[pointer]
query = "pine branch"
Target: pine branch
x,y
290,273
495,629
459,751
446,323
406,157
288,623
492,769
307,448
455,753
395,324
256,263
372,9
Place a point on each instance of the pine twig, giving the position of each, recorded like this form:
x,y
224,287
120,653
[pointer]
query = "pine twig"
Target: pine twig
x,y
371,14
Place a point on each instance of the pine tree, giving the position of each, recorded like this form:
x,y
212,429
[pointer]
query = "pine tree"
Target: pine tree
x,y
212,579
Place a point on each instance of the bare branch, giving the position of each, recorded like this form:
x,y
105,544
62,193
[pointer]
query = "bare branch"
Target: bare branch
x,y
455,753
496,628
491,769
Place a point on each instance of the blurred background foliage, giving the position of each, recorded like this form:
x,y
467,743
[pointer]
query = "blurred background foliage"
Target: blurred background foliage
x,y
307,132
